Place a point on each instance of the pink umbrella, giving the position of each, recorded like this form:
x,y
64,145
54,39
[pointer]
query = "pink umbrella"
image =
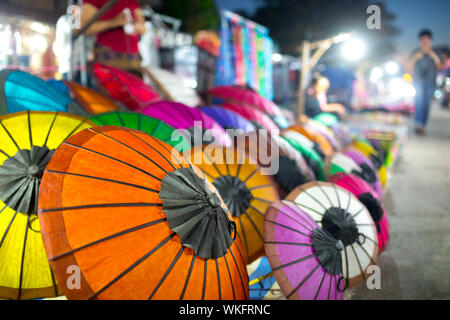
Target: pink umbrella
x,y
255,116
368,171
305,259
245,96
181,116
370,199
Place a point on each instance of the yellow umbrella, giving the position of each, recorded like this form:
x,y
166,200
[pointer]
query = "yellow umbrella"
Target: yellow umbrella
x,y
244,189
27,142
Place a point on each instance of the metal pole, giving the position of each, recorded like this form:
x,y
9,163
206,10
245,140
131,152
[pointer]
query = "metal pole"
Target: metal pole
x,y
302,86
96,17
70,76
83,56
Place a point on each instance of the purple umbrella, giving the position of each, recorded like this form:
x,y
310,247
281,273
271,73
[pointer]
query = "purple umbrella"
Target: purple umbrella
x,y
369,172
228,119
181,116
305,259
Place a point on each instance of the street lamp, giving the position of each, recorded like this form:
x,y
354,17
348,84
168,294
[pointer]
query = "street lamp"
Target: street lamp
x,y
319,48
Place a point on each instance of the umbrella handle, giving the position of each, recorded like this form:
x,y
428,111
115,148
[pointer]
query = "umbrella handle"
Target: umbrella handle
x,y
233,227
342,280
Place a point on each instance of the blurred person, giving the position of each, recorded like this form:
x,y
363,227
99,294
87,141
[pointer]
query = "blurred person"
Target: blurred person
x,y
424,64
114,46
316,98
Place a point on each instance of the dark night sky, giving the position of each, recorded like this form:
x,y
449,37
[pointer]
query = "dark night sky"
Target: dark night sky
x,y
412,15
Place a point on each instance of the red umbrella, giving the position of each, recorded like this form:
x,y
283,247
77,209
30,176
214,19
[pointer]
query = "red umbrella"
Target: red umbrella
x,y
125,87
255,116
245,96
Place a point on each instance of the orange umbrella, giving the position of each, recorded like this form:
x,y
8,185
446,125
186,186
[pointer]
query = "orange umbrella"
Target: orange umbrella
x,y
315,137
137,221
91,101
246,191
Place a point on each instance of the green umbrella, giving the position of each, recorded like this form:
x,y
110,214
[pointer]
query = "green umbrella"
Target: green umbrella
x,y
327,119
152,126
306,148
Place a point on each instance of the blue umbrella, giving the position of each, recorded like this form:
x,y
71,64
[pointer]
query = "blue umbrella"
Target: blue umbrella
x,y
21,91
228,119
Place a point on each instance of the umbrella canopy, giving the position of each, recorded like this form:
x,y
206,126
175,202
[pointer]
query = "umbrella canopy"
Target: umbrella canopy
x,y
262,285
91,101
376,156
363,191
307,149
244,189
342,134
305,258
255,116
315,137
324,131
20,91
244,96
137,221
228,119
172,87
327,119
27,142
368,173
124,87
152,126
277,158
60,86
201,127
342,215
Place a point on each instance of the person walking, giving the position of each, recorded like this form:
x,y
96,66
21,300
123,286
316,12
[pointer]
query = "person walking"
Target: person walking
x,y
424,63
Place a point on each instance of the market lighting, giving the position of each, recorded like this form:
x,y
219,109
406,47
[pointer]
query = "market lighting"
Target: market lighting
x,y
408,78
376,74
392,68
401,88
276,57
353,49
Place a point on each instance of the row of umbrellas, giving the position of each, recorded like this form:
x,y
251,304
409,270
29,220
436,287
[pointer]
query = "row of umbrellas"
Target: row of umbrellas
x,y
102,180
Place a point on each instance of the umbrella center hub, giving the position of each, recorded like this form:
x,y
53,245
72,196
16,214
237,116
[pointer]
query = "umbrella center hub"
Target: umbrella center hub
x,y
20,178
373,205
366,173
234,193
341,225
328,250
214,200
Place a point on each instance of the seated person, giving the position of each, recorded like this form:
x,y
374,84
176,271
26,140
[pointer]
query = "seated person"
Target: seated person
x,y
316,99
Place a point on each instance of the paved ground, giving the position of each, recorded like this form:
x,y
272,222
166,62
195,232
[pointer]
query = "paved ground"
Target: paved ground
x,y
417,263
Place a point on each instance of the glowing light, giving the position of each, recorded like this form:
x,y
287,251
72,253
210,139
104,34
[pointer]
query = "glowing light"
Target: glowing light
x,y
408,78
401,88
392,68
353,49
190,83
376,74
276,57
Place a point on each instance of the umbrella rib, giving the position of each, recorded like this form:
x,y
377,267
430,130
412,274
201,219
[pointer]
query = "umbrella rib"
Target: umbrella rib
x,y
353,184
29,128
239,272
243,233
103,179
289,228
346,264
122,124
250,175
188,276
103,205
254,225
320,203
218,279
293,262
135,264
9,134
5,234
229,275
289,243
326,195
262,200
157,141
55,286
169,269
303,281
114,159
359,262
205,272
99,119
50,129
3,152
329,287
305,206
75,129
240,253
261,187
320,286
295,220
367,254
213,164
131,148
115,235
23,257
337,195
349,200
359,211
303,218
257,210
